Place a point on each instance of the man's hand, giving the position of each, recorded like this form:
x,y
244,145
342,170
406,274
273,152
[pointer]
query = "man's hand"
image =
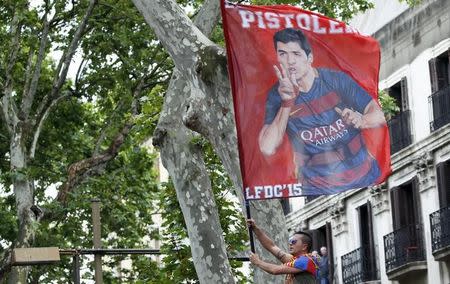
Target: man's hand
x,y
351,117
288,87
254,259
251,223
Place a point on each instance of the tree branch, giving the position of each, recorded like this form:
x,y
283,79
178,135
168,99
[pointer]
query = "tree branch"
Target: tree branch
x,y
102,135
5,118
41,123
81,170
64,63
79,72
208,16
27,100
9,109
175,30
28,72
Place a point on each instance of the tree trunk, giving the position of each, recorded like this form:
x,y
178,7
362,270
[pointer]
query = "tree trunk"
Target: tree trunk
x,y
24,201
184,161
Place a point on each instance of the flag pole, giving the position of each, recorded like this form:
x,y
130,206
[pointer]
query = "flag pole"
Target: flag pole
x,y
250,230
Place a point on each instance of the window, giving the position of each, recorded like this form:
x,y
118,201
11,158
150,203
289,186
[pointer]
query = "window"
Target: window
x,y
399,127
322,237
439,100
405,204
443,180
369,269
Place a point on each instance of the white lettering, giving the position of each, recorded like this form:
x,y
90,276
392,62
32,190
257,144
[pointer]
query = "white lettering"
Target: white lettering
x,y
288,19
316,25
278,190
273,21
334,29
304,21
317,132
268,191
340,124
258,190
332,129
303,135
290,189
297,189
260,20
247,193
247,17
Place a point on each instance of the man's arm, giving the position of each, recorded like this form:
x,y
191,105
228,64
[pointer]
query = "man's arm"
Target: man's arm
x,y
268,244
271,135
272,268
372,117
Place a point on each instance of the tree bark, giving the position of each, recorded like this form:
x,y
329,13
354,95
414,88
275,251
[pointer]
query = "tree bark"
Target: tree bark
x,y
24,201
184,161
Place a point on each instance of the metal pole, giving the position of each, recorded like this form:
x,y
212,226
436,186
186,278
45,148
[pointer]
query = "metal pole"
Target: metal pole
x,y
97,240
250,231
76,269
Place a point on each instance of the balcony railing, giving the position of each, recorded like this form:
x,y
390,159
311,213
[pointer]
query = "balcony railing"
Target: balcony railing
x,y
440,104
399,131
357,267
403,246
440,229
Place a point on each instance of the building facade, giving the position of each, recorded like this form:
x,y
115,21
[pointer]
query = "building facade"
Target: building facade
x,y
399,231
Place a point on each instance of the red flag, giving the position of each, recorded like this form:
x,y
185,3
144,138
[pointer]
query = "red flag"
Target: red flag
x,y
305,91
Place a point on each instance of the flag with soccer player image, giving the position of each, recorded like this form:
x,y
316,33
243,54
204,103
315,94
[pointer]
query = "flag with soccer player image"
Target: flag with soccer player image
x,y
305,93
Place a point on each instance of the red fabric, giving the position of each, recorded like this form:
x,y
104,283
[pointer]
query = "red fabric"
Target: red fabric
x,y
251,56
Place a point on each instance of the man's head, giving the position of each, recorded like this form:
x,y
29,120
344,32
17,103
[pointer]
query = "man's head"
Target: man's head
x,y
323,251
300,243
292,35
293,52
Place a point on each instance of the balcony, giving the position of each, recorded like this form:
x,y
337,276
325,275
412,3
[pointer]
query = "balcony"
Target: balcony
x,y
399,131
404,252
357,267
440,234
440,105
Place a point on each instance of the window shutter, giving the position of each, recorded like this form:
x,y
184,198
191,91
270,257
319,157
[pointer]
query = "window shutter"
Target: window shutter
x,y
285,204
330,251
395,205
447,182
433,75
372,256
443,179
448,67
404,90
416,200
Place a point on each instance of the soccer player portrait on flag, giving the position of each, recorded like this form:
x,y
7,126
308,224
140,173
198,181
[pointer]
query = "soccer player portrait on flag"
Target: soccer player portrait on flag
x,y
305,97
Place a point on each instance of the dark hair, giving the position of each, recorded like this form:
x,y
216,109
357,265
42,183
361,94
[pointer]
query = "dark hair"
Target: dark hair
x,y
306,239
292,35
